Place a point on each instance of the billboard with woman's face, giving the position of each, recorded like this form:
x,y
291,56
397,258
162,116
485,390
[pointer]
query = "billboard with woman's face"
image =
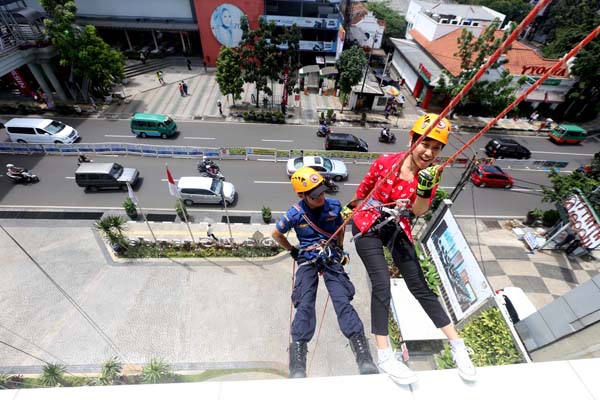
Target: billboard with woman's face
x,y
225,24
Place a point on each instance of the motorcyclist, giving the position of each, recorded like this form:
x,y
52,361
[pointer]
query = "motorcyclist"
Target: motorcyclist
x,y
385,132
13,170
83,159
325,128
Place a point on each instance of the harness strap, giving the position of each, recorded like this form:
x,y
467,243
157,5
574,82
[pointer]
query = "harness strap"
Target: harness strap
x,y
312,224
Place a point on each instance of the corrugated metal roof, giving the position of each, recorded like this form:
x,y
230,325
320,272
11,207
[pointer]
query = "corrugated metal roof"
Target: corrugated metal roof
x,y
158,25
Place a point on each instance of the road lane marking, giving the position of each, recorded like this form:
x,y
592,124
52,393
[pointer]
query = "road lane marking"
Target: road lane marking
x,y
554,152
166,180
125,136
69,177
525,190
199,138
277,140
285,183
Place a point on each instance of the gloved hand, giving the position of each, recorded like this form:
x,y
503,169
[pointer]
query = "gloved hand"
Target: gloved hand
x,y
344,256
347,210
428,178
294,253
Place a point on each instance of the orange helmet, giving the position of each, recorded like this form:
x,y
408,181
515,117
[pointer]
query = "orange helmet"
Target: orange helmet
x,y
439,133
306,179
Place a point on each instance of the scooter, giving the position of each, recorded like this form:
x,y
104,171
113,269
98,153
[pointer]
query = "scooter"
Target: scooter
x,y
385,136
332,187
322,132
25,176
210,169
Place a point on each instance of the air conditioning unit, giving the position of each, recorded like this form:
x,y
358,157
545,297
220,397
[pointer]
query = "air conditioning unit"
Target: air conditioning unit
x,y
444,21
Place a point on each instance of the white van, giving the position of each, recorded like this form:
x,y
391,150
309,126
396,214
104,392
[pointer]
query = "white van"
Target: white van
x,y
201,189
35,130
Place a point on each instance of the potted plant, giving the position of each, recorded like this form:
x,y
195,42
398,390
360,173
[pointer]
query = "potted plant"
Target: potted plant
x,y
130,208
322,118
363,119
533,215
181,210
266,214
550,217
112,228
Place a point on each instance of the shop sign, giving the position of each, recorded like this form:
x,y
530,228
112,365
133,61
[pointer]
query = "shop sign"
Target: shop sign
x,y
424,73
584,221
547,82
541,70
20,81
302,22
309,45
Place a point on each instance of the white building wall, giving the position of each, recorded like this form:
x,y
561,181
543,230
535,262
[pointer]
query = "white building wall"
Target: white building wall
x,y
425,25
370,25
130,8
404,70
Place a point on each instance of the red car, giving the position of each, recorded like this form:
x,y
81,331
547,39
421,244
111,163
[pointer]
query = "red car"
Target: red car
x,y
492,176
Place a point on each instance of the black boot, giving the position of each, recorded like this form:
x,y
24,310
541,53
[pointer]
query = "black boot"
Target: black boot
x,y
298,352
360,348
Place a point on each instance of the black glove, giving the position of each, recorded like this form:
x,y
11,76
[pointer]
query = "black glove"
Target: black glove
x,y
294,253
428,178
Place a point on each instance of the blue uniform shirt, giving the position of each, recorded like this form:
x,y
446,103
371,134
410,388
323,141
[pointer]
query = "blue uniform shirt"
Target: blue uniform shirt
x,y
296,218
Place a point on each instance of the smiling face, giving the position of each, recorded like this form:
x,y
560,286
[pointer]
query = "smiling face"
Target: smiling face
x,y
226,18
426,152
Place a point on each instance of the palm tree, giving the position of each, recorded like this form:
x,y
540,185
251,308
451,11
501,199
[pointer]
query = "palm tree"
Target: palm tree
x,y
156,371
53,375
111,371
112,228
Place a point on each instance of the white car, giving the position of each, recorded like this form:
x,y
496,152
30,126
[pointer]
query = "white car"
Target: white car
x,y
201,189
327,167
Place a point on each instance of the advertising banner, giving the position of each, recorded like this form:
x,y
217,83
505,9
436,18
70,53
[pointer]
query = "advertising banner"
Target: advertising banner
x,y
459,272
309,45
303,22
583,220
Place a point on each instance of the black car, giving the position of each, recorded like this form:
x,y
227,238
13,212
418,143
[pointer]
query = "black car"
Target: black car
x,y
346,142
506,148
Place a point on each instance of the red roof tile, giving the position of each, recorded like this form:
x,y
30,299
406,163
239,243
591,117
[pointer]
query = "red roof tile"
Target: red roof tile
x,y
522,60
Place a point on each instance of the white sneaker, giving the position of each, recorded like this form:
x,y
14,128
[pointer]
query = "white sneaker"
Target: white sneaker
x,y
397,371
466,369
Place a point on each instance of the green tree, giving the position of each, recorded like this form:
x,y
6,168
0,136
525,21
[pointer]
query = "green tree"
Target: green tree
x,y
53,375
563,185
485,97
229,73
351,67
81,49
568,22
395,24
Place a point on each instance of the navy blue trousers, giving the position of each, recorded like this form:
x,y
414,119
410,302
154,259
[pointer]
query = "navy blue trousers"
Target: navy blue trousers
x,y
304,295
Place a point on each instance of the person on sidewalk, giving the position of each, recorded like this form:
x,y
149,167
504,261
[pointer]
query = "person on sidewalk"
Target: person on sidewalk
x,y
159,75
181,92
142,57
314,219
533,117
220,107
185,88
189,63
414,182
211,234
205,66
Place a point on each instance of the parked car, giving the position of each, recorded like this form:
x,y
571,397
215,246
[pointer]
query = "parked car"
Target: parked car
x,y
94,176
345,142
492,176
205,190
506,148
327,167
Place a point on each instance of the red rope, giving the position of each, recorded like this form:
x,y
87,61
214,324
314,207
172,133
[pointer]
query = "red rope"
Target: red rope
x,y
291,303
491,60
524,95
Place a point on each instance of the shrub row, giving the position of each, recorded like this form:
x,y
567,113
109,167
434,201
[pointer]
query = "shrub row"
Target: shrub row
x,y
276,117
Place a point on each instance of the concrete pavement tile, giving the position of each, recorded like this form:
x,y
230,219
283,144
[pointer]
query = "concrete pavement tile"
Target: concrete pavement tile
x,y
492,268
483,253
557,287
529,284
550,257
552,271
518,267
509,252
539,300
500,282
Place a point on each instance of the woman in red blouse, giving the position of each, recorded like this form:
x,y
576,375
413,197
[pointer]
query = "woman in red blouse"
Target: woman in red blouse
x,y
415,180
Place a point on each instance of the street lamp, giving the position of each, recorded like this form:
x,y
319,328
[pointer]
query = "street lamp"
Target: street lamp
x,y
368,63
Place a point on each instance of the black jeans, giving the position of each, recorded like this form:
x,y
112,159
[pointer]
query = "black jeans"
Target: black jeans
x,y
370,249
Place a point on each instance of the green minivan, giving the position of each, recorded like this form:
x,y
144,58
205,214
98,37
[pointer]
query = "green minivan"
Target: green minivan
x,y
144,125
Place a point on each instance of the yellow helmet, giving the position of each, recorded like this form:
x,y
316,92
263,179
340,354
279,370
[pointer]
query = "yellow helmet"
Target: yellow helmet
x,y
439,133
306,179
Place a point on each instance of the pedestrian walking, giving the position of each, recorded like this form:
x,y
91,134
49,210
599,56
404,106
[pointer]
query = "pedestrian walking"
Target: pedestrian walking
x,y
533,117
205,67
161,80
142,57
210,233
180,88
283,106
185,87
314,219
401,100
93,103
388,109
219,106
414,182
189,63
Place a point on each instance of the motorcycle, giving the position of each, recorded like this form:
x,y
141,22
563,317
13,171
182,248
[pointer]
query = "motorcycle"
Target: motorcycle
x,y
385,136
332,187
23,176
83,159
210,169
321,132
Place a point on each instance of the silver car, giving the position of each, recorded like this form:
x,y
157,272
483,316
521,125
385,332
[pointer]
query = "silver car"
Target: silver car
x,y
200,189
327,167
